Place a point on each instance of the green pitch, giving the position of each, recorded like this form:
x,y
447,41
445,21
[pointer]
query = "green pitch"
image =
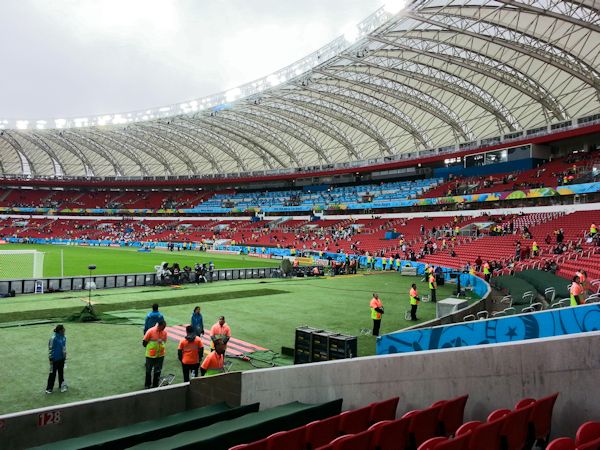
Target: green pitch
x,y
107,357
112,260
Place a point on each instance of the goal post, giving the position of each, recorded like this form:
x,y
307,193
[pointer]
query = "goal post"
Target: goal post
x,y
21,264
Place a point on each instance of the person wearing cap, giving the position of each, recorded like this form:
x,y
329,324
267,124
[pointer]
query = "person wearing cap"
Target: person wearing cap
x,y
190,353
154,342
215,361
376,312
57,355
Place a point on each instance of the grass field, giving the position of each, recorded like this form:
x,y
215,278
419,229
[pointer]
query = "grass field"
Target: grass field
x,y
111,260
107,357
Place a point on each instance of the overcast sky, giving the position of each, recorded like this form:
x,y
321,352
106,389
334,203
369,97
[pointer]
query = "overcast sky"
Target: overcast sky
x,y
72,58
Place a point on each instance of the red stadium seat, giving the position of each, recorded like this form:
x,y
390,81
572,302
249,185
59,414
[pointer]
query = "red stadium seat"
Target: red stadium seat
x,y
587,432
355,421
486,436
385,410
322,432
358,441
515,429
592,445
288,440
541,417
455,443
423,424
524,402
257,445
452,414
432,443
390,434
563,443
496,414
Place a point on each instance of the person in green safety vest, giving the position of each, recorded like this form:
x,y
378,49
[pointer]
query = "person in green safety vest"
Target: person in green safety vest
x,y
535,249
154,342
414,302
432,286
486,271
576,292
376,312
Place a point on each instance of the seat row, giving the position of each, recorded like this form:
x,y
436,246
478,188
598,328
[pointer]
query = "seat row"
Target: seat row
x,y
526,425
371,427
587,438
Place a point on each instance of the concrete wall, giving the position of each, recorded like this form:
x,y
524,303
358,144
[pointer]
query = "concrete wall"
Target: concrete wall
x,y
495,376
21,430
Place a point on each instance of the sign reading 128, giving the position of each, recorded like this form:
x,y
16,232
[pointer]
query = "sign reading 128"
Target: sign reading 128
x,y
48,418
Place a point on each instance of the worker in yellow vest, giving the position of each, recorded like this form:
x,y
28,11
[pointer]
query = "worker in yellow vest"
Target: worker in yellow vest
x,y
369,262
576,292
535,249
593,229
154,342
486,271
414,302
432,286
376,313
390,263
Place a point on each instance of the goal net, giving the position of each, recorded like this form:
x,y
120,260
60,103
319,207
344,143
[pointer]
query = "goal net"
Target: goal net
x,y
19,264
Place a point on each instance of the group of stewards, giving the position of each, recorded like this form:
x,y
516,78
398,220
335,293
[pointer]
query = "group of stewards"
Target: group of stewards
x,y
377,309
190,350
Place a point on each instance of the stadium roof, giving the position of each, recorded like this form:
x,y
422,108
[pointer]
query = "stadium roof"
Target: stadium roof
x,y
434,74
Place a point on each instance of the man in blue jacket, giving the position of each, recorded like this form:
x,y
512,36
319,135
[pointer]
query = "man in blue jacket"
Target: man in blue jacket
x,y
152,318
57,355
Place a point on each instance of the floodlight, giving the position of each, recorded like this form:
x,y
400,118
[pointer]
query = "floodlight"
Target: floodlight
x,y
60,123
394,6
22,124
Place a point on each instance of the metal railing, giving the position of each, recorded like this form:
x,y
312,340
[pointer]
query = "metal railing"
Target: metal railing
x,y
80,283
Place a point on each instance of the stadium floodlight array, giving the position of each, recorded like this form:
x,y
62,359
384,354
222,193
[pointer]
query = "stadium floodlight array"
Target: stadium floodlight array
x,y
21,264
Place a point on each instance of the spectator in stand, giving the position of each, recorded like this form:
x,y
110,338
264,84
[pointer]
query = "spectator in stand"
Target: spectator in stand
x,y
548,239
152,318
593,230
478,263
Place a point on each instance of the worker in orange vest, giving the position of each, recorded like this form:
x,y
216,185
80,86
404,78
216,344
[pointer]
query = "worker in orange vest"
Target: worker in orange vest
x,y
576,292
414,302
376,313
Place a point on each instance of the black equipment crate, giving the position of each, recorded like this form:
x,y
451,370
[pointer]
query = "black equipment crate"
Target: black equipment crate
x,y
303,344
342,346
